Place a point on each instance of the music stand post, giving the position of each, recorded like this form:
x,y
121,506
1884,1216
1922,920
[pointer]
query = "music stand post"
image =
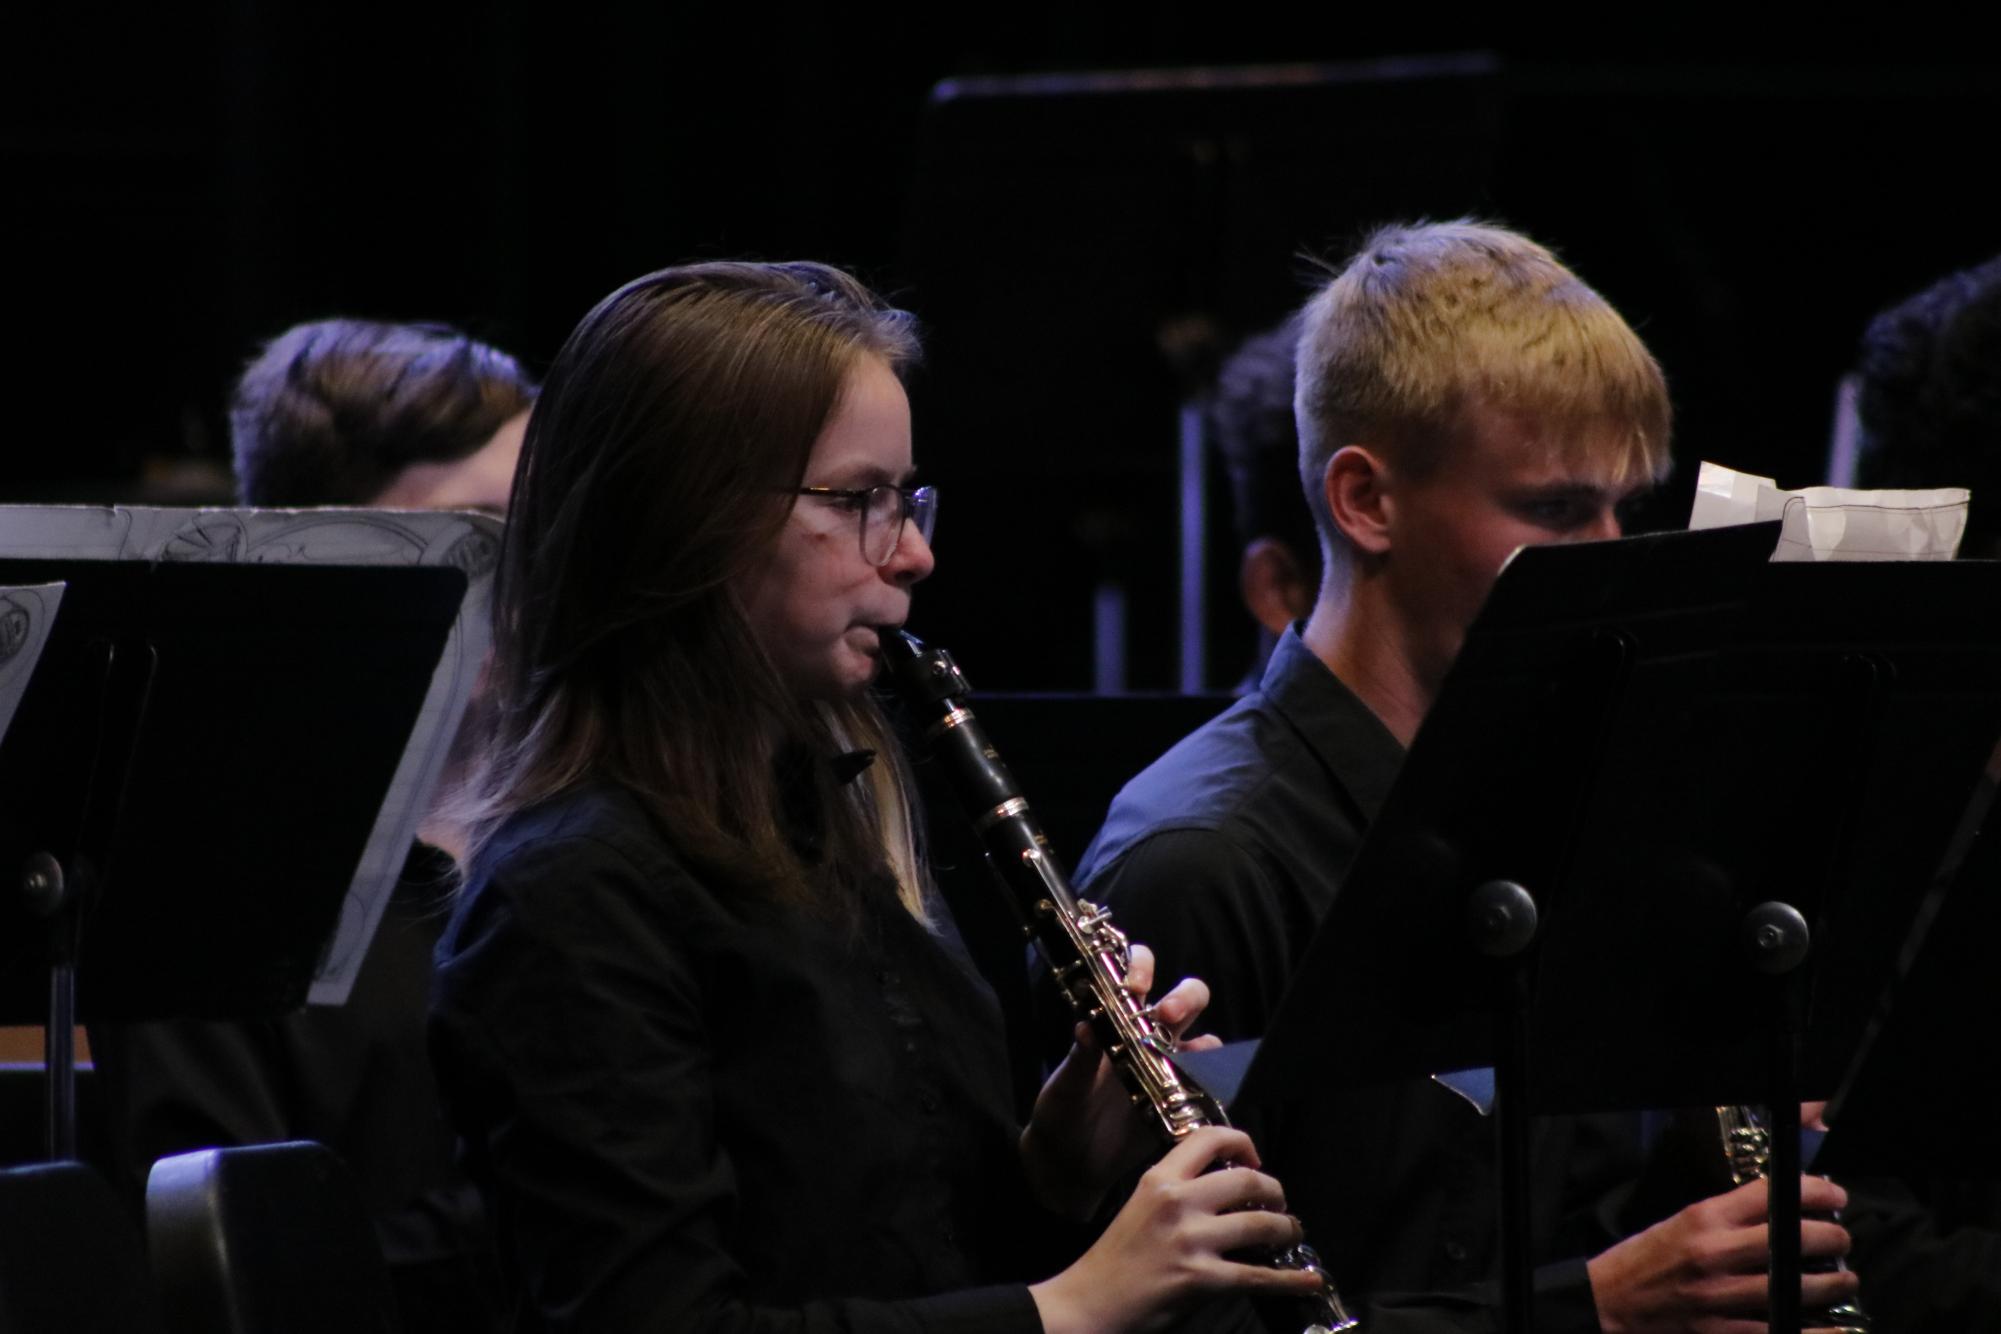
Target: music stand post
x,y
1501,926
58,897
1777,944
44,884
48,892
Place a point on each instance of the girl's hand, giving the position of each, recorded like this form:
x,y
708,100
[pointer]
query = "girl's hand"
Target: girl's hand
x,y
1166,1247
1085,1132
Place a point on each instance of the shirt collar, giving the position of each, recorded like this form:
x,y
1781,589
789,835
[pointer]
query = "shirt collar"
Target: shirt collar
x,y
1343,733
797,768
850,765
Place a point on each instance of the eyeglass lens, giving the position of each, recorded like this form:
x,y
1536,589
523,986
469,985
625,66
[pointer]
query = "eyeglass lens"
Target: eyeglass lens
x,y
882,520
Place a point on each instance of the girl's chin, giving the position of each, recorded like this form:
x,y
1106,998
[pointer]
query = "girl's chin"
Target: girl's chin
x,y
847,676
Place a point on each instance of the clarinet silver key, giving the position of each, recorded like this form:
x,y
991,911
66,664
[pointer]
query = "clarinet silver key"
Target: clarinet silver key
x,y
1086,953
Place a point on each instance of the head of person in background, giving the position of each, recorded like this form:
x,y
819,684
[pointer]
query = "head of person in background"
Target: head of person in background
x,y
398,416
1928,398
1460,394
391,416
1250,423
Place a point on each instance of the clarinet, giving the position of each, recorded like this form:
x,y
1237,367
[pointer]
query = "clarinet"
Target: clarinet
x,y
1088,956
1747,1152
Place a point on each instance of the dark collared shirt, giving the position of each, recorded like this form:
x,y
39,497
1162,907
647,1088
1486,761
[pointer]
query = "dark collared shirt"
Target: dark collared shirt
x,y
695,1113
1228,849
1222,857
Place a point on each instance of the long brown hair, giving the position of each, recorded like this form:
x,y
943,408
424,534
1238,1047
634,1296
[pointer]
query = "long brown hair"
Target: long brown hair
x,y
650,485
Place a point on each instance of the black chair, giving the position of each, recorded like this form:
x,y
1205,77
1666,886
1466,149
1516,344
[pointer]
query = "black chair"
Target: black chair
x,y
265,1239
71,1261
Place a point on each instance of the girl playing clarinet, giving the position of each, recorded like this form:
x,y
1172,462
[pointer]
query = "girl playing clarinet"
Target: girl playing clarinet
x,y
718,1055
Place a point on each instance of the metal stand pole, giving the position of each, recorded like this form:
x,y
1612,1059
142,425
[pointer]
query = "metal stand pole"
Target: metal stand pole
x,y
1501,922
1777,938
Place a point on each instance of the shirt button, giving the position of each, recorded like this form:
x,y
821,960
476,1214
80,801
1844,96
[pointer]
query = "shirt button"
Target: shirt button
x,y
930,1101
1455,1250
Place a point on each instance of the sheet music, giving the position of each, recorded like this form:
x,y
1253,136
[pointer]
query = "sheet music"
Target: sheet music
x,y
1835,523
26,613
469,541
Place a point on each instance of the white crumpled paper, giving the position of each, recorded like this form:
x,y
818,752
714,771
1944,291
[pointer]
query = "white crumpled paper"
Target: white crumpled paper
x,y
1835,523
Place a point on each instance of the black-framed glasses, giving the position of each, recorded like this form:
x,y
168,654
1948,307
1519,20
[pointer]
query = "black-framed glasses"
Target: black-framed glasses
x,y
883,510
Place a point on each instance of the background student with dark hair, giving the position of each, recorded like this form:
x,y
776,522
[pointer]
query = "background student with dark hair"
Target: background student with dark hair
x,y
1250,423
1928,397
349,412
393,416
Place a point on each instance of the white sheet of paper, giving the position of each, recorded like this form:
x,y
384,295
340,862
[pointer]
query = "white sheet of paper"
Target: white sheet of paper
x,y
1835,523
26,613
314,537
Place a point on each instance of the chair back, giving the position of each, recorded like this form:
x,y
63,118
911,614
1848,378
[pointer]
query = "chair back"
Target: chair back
x,y
265,1239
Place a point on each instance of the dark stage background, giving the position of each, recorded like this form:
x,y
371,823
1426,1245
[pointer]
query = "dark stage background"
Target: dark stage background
x,y
180,185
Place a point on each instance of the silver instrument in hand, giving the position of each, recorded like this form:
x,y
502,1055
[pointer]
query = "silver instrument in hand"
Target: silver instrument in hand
x,y
1087,954
1747,1151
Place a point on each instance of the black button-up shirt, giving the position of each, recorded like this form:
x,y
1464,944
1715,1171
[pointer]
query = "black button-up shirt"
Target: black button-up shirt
x,y
696,1113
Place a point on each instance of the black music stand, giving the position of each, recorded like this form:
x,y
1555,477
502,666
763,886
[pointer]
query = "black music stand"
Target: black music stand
x,y
191,779
1631,862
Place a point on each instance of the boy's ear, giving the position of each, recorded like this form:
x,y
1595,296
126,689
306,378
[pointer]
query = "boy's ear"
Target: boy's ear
x,y
1358,496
